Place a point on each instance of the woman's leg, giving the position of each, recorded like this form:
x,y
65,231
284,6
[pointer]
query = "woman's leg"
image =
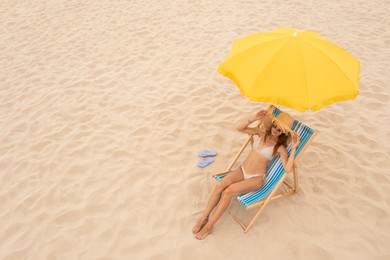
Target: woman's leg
x,y
231,191
215,196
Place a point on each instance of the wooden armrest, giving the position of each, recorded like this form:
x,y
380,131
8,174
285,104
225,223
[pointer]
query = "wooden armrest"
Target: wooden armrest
x,y
221,173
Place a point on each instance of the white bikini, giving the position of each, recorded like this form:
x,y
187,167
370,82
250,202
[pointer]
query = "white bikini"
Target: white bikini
x,y
266,152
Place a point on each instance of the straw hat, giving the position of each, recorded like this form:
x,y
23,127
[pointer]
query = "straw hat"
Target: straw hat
x,y
284,122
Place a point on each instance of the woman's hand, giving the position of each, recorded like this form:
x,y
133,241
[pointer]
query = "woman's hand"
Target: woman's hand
x,y
294,139
259,115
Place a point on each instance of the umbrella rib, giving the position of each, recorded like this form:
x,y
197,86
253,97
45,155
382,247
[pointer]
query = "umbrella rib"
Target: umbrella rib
x,y
274,56
330,59
304,70
254,46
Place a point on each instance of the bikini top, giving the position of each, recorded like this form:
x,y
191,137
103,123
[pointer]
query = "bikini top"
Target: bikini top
x,y
266,151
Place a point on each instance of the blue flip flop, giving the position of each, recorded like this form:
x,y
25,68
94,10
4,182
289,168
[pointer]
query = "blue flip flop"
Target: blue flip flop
x,y
205,162
207,153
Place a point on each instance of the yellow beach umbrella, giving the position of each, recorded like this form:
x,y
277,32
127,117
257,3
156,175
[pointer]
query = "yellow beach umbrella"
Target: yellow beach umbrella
x,y
293,68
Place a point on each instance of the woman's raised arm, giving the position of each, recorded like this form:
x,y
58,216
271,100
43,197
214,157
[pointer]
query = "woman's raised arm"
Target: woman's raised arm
x,y
288,163
244,125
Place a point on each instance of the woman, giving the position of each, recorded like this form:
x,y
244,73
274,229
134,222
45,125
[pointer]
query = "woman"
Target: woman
x,y
250,175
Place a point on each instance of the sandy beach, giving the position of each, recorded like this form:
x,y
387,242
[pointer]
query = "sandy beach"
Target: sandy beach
x,y
106,104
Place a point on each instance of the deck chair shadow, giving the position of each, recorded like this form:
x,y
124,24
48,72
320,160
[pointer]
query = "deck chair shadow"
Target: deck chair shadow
x,y
276,185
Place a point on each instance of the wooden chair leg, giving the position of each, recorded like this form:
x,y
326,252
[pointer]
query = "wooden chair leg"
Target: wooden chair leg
x,y
295,170
269,198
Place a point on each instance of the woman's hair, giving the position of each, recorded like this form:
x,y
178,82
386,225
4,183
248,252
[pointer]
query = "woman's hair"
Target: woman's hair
x,y
282,140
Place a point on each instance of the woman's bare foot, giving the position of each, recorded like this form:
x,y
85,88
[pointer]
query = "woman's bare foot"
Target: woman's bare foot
x,y
206,230
199,225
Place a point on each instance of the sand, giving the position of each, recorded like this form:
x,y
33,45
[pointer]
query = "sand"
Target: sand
x,y
105,105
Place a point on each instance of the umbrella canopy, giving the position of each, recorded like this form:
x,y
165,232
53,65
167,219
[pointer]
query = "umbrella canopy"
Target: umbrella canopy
x,y
294,68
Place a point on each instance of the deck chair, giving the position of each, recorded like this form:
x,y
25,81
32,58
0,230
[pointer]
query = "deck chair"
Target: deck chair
x,y
276,185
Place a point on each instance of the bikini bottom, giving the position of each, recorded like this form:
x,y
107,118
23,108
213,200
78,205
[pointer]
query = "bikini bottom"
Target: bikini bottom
x,y
248,176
